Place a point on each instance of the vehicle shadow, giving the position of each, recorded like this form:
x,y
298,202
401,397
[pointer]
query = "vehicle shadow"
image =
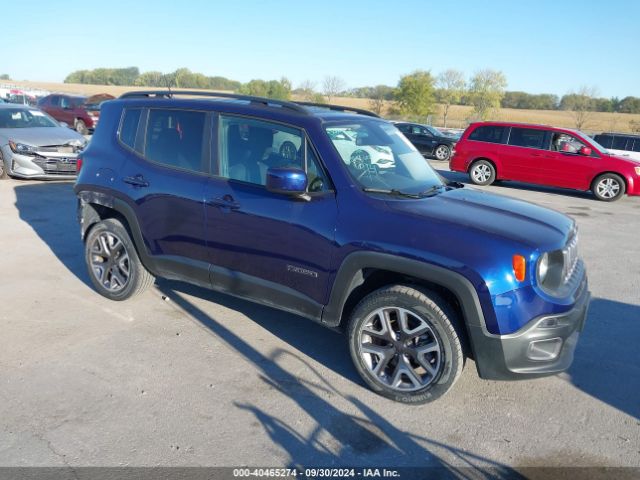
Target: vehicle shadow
x,y
339,438
508,184
606,364
50,209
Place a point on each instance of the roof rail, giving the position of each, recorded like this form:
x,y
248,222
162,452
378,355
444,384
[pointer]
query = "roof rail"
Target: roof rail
x,y
339,108
170,93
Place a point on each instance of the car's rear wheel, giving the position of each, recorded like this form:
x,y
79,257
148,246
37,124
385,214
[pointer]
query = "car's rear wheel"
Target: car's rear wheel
x,y
81,127
113,263
608,187
482,172
404,344
442,152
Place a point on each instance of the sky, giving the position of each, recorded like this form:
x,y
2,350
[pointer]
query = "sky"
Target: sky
x,y
542,46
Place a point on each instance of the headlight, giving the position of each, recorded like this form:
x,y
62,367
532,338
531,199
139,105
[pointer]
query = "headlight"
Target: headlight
x,y
22,149
543,267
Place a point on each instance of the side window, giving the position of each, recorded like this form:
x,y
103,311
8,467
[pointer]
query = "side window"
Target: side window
x,y
318,181
405,128
54,101
425,132
129,126
64,102
416,130
491,134
563,142
175,138
527,137
620,143
604,140
636,145
249,147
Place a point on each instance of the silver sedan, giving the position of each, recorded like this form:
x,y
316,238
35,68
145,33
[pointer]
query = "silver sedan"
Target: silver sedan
x,y
34,145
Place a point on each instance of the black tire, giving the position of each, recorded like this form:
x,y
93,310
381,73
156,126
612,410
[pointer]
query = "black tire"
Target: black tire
x,y
107,242
482,172
434,317
81,127
608,187
442,153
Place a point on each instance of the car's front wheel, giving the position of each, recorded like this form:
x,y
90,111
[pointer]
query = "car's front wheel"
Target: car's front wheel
x,y
404,344
442,153
482,172
113,263
608,187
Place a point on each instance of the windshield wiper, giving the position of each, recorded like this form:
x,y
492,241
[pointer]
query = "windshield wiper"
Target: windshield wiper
x,y
434,190
392,191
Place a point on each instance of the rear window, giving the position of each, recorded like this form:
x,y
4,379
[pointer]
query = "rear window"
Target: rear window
x,y
175,138
489,133
129,126
527,137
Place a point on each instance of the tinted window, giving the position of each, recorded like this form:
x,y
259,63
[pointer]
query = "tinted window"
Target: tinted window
x,y
175,137
620,143
249,147
129,126
527,137
636,145
492,134
604,140
55,101
404,128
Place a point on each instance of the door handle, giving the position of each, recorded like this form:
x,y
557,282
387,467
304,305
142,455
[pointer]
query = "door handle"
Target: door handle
x,y
136,181
225,202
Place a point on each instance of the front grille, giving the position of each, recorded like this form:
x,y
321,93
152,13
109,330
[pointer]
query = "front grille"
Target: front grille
x,y
570,254
57,166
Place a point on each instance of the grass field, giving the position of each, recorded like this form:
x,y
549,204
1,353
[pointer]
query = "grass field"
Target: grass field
x,y
458,115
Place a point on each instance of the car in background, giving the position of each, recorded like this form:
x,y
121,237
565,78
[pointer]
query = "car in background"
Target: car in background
x,y
34,145
82,113
351,144
428,140
22,99
544,155
621,144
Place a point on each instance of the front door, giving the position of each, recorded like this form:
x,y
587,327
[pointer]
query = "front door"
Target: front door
x,y
271,247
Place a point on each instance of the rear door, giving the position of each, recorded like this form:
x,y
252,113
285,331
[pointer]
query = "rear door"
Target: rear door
x,y
522,156
164,178
264,245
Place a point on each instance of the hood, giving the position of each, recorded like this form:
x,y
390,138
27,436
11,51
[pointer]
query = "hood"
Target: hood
x,y
514,220
41,136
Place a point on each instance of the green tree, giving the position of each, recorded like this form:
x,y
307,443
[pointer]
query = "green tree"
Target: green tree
x,y
151,79
581,104
377,96
5,76
415,94
278,89
332,86
486,91
451,86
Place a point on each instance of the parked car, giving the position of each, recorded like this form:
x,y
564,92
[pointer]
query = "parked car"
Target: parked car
x,y
82,113
419,272
428,140
34,145
621,144
21,99
544,155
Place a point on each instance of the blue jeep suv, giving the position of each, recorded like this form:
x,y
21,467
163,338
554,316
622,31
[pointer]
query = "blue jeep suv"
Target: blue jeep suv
x,y
330,213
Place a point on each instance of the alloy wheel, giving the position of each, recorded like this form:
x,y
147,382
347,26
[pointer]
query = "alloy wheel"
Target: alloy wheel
x,y
608,187
481,173
110,262
400,349
442,152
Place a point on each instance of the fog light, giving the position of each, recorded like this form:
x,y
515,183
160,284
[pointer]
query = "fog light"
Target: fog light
x,y
544,349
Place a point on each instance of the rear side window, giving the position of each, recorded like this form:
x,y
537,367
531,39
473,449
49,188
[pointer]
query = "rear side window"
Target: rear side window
x,y
129,126
636,145
620,143
604,140
527,137
175,138
489,133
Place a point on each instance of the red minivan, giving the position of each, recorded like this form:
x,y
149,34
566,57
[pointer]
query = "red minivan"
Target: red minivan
x,y
544,155
80,113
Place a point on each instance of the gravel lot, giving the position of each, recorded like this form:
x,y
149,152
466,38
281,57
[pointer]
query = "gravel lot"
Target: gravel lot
x,y
206,379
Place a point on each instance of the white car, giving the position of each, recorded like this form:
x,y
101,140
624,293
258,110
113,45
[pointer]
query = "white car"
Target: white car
x,y
621,144
345,140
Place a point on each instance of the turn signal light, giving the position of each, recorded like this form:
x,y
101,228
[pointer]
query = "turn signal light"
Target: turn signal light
x,y
78,164
519,267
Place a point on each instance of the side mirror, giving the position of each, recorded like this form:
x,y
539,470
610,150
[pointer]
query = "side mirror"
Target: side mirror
x,y
586,151
288,181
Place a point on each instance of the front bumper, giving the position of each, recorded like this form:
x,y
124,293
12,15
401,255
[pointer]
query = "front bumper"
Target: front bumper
x,y
544,346
54,166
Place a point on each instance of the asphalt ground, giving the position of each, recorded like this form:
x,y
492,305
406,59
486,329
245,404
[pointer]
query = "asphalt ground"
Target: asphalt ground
x,y
182,376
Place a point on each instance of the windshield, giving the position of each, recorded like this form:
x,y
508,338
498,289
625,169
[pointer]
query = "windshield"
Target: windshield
x,y
434,131
25,118
379,157
593,142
